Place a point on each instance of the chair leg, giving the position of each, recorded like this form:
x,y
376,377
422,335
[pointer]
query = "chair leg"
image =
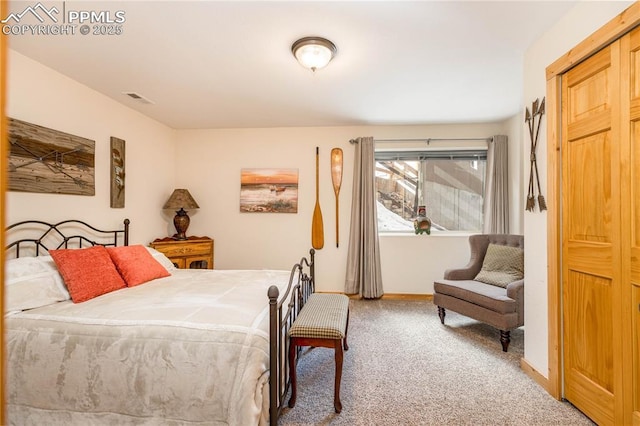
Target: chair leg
x,y
441,314
505,339
292,370
336,393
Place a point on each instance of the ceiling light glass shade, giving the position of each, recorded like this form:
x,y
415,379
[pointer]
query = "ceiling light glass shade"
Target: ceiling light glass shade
x,y
313,52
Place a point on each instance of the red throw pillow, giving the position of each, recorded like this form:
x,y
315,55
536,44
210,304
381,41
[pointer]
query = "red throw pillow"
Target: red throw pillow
x,y
87,272
136,265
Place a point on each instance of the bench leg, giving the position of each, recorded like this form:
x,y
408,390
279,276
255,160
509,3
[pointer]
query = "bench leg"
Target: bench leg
x,y
292,372
346,330
339,357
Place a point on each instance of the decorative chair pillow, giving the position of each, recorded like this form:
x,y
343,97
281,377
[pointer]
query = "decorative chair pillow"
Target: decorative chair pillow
x,y
136,265
502,265
87,272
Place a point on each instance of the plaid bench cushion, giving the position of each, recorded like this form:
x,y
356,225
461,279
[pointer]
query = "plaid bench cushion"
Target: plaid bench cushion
x,y
324,316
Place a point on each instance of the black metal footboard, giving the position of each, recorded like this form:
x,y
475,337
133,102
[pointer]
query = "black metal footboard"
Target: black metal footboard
x,y
283,310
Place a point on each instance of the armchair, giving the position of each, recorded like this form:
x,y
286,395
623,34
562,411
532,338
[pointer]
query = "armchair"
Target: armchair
x,y
501,305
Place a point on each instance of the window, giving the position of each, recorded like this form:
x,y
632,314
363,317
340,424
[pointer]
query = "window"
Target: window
x,y
449,183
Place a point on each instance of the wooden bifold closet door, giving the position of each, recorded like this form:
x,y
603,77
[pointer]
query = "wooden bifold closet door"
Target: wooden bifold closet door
x,y
601,232
631,224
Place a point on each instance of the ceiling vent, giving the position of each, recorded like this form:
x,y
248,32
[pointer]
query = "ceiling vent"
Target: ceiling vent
x,y
138,97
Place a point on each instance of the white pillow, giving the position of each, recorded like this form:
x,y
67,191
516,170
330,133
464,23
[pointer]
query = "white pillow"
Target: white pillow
x,y
31,282
162,259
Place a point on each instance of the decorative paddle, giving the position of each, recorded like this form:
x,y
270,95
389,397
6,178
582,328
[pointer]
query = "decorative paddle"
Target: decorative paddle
x,y
336,178
317,228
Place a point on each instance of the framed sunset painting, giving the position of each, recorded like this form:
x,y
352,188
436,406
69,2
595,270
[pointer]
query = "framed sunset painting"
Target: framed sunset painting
x,y
269,190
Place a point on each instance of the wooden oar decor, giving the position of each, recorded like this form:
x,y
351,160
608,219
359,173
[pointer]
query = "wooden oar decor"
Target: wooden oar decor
x,y
317,228
537,110
336,178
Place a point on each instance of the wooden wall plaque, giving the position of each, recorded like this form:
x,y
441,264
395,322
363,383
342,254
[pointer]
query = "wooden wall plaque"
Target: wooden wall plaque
x,y
117,172
49,161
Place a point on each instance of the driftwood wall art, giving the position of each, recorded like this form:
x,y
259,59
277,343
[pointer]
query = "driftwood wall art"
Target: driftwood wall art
x,y
49,161
117,173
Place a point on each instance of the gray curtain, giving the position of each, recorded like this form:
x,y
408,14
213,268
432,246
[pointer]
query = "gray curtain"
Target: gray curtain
x,y
363,257
496,193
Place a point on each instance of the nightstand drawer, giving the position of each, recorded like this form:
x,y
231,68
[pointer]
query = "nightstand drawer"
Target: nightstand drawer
x,y
188,249
194,252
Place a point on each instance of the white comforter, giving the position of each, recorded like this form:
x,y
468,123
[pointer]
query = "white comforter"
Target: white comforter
x,y
192,348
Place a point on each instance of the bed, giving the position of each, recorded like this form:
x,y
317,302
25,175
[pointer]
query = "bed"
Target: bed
x,y
189,347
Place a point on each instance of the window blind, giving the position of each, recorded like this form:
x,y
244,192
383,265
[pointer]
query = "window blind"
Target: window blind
x,y
475,154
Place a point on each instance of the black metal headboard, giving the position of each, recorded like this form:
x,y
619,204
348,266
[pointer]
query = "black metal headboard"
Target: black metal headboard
x,y
35,236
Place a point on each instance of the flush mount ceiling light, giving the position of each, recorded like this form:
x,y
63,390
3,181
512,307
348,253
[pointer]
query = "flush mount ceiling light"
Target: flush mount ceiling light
x,y
313,52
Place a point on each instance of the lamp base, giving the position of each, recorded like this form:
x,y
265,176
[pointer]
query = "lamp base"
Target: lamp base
x,y
181,222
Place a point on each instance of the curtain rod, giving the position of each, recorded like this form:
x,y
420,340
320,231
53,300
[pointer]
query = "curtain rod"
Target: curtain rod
x,y
428,140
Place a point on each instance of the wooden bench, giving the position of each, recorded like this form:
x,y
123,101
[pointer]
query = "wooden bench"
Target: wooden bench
x,y
322,322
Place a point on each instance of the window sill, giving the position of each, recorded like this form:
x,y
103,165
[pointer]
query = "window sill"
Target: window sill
x,y
437,234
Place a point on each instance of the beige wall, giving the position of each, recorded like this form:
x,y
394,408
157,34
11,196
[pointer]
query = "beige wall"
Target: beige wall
x,y
209,164
575,26
42,96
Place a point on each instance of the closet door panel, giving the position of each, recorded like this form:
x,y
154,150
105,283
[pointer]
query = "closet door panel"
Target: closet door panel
x,y
630,160
589,196
633,265
591,234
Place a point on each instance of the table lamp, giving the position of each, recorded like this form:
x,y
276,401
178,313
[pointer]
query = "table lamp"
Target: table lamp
x,y
181,199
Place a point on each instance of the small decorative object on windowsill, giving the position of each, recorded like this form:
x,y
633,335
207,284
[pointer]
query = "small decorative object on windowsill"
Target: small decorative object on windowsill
x,y
181,199
422,223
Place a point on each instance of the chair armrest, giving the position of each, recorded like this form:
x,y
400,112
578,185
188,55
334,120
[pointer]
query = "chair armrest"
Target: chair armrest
x,y
468,273
515,290
470,270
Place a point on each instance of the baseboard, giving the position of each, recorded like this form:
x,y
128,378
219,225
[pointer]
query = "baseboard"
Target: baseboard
x,y
404,296
534,374
398,296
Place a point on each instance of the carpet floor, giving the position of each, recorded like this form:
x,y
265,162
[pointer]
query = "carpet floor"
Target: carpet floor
x,y
405,368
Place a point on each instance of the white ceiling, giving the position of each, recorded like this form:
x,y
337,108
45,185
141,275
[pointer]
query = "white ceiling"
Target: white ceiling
x,y
217,64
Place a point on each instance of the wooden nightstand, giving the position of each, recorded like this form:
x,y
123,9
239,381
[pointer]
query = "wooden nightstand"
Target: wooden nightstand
x,y
192,253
